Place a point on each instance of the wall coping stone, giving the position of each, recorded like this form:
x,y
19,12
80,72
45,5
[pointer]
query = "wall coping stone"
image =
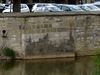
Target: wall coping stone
x,y
39,14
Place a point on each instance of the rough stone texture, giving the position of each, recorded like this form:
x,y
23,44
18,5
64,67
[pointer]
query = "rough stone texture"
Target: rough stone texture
x,y
87,32
32,34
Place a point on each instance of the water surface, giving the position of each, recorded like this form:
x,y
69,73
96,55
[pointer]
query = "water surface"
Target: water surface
x,y
77,66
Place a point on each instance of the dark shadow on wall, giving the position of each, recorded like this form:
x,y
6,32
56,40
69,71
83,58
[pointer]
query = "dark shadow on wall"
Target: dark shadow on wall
x,y
45,46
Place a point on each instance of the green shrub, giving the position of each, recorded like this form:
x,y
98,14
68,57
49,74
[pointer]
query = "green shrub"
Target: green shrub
x,y
9,53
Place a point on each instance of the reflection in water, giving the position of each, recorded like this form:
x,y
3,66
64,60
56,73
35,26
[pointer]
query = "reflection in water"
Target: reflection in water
x,y
49,68
97,65
80,66
11,67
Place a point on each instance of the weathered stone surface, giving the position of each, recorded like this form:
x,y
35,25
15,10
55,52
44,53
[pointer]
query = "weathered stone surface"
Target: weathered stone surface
x,y
31,35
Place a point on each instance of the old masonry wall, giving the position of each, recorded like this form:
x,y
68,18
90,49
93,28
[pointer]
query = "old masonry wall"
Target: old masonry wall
x,y
31,34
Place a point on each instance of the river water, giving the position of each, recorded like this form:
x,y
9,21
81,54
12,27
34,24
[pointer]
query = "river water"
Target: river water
x,y
73,66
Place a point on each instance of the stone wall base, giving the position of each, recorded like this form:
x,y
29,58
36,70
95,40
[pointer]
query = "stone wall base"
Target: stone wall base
x,y
87,52
47,56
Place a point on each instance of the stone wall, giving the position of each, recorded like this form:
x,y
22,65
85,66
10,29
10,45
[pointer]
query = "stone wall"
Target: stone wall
x,y
32,34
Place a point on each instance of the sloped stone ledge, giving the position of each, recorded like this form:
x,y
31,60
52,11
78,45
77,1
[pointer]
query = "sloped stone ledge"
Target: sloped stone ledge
x,y
46,56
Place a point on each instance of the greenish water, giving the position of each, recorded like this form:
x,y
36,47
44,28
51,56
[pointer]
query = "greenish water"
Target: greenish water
x,y
77,66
